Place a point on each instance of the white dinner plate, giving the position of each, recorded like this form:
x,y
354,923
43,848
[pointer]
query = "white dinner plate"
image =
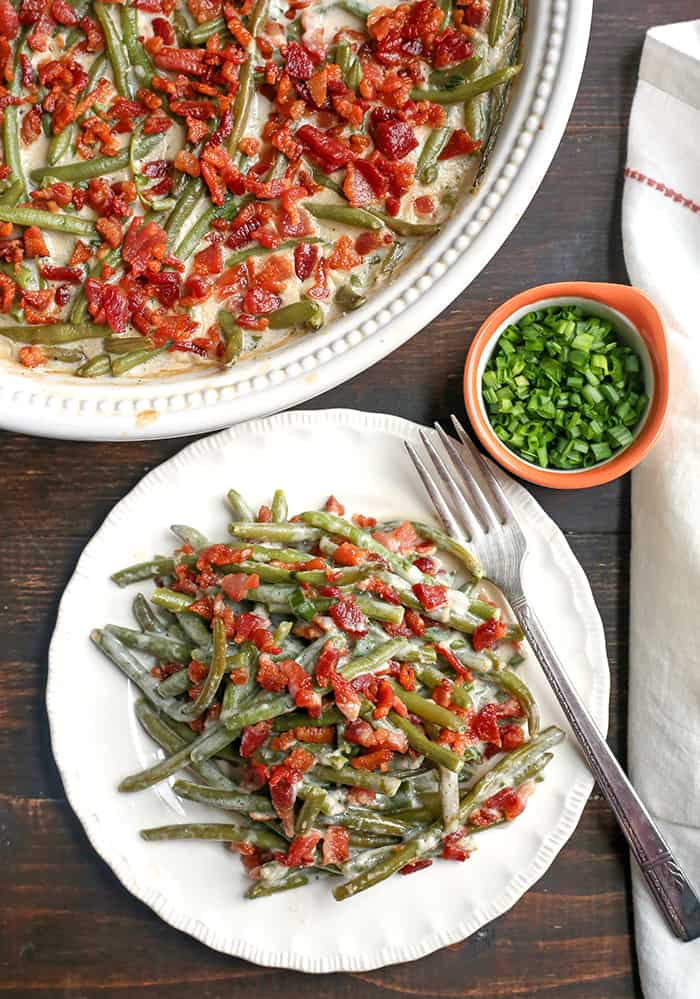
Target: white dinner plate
x,y
55,405
198,887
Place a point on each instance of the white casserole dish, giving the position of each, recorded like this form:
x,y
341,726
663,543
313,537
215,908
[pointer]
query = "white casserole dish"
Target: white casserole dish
x,y
51,404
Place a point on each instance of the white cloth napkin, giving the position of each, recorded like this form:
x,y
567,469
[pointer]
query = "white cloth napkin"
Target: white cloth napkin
x,y
661,233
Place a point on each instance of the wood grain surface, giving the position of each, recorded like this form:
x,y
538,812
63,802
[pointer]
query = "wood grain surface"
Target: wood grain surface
x,y
67,926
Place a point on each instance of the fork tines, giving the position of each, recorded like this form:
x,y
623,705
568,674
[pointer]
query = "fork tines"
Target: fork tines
x,y
474,491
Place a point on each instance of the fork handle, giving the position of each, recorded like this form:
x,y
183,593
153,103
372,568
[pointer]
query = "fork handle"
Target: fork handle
x,y
668,883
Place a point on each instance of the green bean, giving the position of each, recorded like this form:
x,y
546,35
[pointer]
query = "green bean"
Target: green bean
x,y
262,710
195,628
454,75
303,313
379,610
143,570
260,889
216,738
345,214
404,228
202,223
171,600
354,7
10,121
331,524
202,32
184,206
309,810
290,532
12,194
158,772
349,298
428,710
279,507
216,673
234,801
446,8
190,536
161,646
499,97
128,20
381,783
343,55
144,615
51,221
134,670
233,337
175,684
101,166
432,677
392,259
324,180
116,49
95,367
125,344
512,683
426,168
240,256
266,839
424,842
235,694
366,821
439,754
125,362
500,10
328,717
467,90
246,81
239,507
354,75
171,741
61,143
370,663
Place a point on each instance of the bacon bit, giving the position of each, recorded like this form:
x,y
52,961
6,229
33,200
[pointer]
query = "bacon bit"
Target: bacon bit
x,y
415,622
283,741
336,845
484,725
377,759
460,143
254,737
402,539
34,245
81,253
332,505
239,676
454,845
31,357
415,865
301,850
348,617
318,86
30,128
111,231
431,597
448,655
488,633
442,693
349,554
187,163
197,671
357,518
314,734
361,796
8,291
385,700
249,146
343,256
236,585
423,205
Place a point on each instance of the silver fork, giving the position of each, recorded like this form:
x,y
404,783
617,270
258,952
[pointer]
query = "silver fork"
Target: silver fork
x,y
474,508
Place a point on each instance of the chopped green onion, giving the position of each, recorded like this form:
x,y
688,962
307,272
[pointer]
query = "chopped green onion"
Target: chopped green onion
x,y
562,390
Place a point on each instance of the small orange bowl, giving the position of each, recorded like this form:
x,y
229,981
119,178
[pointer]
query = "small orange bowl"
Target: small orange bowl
x,y
637,322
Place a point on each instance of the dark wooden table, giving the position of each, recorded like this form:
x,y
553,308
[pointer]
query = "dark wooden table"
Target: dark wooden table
x,y
67,927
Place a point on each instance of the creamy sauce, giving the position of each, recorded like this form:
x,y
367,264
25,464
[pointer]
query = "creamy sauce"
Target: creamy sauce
x,y
454,178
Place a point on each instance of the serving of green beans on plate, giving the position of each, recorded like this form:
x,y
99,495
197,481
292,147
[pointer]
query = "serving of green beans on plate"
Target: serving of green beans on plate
x,y
342,694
